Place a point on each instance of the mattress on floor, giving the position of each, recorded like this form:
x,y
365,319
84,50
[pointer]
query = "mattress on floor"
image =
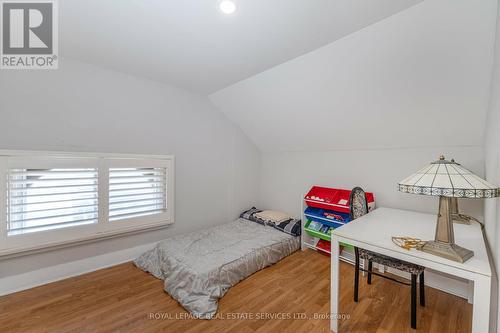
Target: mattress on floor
x,y
198,268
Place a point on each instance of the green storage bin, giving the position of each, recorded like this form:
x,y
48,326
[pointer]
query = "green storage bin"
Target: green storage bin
x,y
315,233
348,246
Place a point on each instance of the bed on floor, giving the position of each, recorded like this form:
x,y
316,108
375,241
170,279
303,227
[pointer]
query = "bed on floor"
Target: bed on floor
x,y
198,268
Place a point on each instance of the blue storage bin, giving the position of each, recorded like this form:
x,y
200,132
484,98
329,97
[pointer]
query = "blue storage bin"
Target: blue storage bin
x,y
327,217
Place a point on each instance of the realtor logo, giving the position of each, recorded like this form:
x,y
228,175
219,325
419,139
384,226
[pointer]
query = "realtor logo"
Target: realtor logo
x,y
29,34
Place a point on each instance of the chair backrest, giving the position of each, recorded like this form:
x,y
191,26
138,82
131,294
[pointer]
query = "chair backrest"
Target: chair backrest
x,y
358,203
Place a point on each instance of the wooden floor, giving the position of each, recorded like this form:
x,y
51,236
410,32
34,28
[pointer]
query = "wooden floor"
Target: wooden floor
x,y
125,299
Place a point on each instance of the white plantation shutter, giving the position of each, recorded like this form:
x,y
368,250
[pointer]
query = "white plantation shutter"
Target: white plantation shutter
x,y
135,192
45,199
52,199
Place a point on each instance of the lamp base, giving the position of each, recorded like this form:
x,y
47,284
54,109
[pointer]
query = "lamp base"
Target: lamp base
x,y
455,215
443,244
448,250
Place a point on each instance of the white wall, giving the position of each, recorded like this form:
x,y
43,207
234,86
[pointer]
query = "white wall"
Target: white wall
x,y
374,106
371,108
419,78
492,152
285,177
85,108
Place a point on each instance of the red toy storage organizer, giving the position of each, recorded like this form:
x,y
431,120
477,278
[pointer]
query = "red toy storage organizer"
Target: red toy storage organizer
x,y
334,199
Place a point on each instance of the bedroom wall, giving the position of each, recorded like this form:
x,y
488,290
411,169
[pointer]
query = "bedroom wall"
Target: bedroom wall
x,y
285,177
373,107
419,78
86,108
492,155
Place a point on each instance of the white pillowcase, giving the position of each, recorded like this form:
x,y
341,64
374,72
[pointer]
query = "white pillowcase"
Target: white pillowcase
x,y
272,216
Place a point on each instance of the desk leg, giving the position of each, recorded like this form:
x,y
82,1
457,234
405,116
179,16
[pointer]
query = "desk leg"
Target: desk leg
x,y
481,306
334,288
470,292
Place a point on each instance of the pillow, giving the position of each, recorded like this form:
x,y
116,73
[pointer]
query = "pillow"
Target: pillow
x,y
249,214
272,216
291,227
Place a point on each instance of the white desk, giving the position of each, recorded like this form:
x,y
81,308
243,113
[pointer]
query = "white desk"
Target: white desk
x,y
374,231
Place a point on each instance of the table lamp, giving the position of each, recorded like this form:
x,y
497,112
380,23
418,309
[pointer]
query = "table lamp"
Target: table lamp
x,y
448,180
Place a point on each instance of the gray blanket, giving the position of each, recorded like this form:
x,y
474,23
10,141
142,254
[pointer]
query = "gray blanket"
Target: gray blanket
x,y
198,268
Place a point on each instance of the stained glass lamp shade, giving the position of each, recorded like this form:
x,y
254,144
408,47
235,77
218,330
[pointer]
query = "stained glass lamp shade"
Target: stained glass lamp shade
x,y
448,180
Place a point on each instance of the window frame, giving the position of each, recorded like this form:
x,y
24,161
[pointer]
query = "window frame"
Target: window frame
x,y
137,163
46,240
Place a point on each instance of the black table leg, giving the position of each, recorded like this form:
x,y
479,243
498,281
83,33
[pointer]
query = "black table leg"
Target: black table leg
x,y
356,274
414,301
422,289
370,266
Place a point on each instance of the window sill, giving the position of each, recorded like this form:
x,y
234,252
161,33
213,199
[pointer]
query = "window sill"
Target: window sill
x,y
19,252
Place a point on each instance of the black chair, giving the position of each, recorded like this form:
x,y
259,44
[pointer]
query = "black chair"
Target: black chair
x,y
359,207
413,269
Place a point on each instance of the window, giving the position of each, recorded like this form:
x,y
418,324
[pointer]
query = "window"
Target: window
x,y
58,199
45,199
136,192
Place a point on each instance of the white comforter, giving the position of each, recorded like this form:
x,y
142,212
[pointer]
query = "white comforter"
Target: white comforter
x,y
198,268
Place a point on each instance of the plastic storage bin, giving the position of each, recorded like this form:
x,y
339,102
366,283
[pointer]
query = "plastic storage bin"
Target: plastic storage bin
x,y
325,246
347,246
328,217
334,199
316,233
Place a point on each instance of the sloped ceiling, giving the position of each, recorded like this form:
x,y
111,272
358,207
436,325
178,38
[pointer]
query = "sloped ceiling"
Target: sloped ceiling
x,y
417,79
190,44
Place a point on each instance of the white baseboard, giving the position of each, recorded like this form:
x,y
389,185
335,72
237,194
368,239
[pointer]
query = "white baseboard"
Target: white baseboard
x,y
448,284
11,284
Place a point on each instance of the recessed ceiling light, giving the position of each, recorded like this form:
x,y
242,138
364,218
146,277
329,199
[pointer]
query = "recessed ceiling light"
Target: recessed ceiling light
x,y
227,7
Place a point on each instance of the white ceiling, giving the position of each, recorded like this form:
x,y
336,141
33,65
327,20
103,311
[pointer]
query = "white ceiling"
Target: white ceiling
x,y
417,79
190,44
